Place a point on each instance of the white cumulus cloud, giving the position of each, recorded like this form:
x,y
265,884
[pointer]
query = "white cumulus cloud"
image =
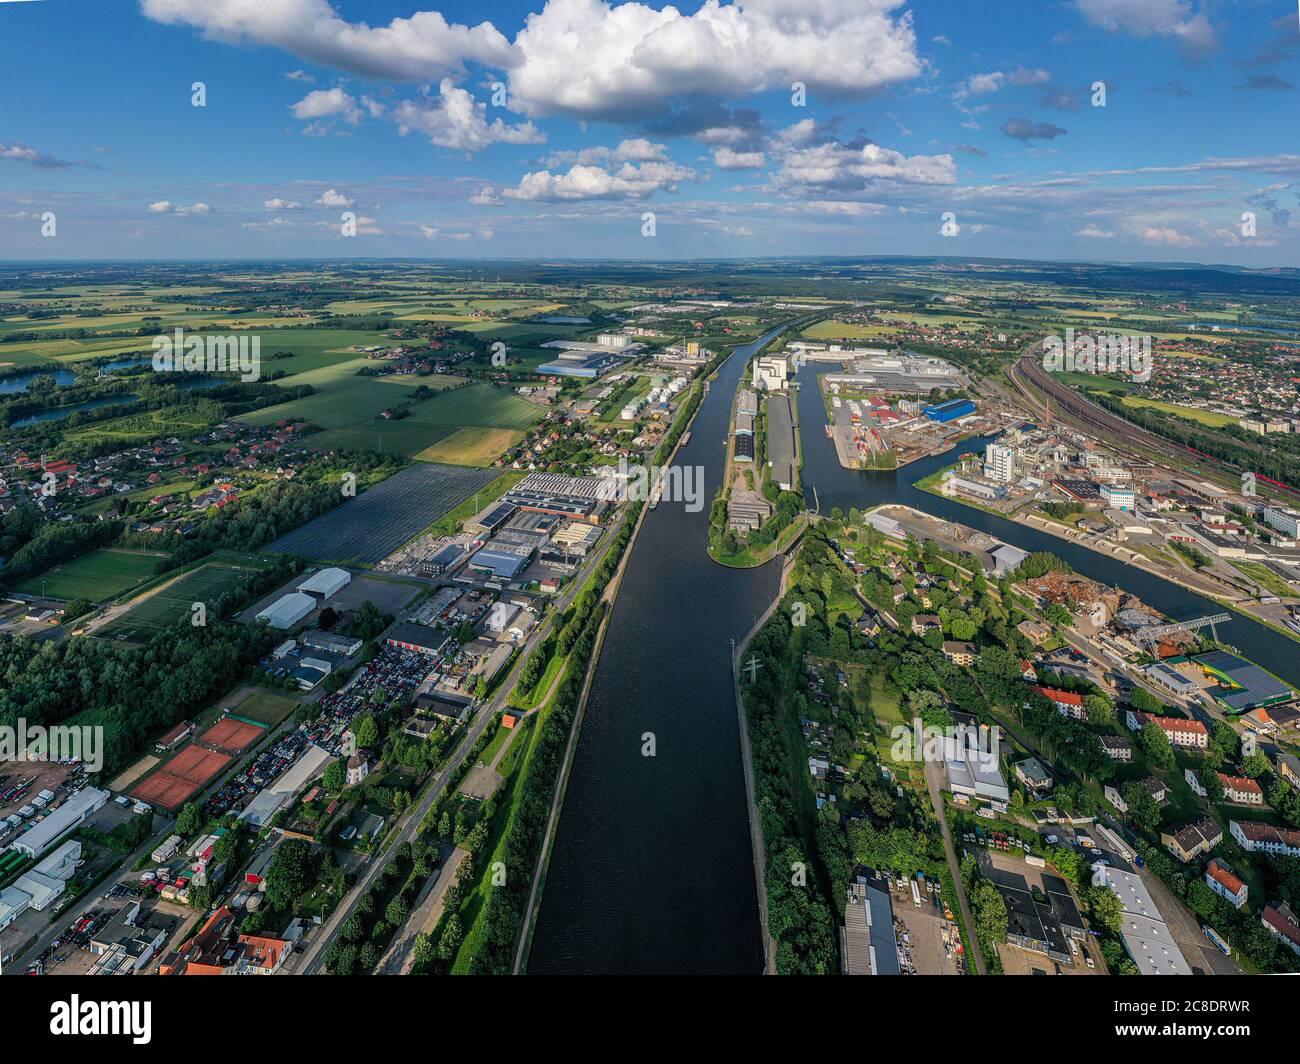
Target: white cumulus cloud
x,y
454,119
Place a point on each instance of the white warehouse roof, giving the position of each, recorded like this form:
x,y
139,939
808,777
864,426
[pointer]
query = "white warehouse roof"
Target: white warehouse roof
x,y
327,582
61,821
287,611
274,795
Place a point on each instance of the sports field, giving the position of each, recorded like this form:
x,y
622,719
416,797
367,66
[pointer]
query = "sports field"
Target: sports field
x,y
265,707
173,602
232,735
370,527
191,768
98,576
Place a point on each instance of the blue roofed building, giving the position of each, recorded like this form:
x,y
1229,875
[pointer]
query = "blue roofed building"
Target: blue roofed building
x,y
949,411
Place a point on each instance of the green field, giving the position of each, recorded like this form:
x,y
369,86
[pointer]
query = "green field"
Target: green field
x,y
342,412
98,576
1204,417
172,604
266,707
834,330
472,445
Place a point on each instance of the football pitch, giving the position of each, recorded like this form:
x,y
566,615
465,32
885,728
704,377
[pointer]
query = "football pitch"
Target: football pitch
x,y
98,576
173,603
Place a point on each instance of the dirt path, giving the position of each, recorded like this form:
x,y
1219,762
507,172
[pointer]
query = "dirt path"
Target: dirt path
x,y
936,799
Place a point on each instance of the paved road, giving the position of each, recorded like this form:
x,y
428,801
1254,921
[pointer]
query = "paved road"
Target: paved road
x,y
313,958
932,771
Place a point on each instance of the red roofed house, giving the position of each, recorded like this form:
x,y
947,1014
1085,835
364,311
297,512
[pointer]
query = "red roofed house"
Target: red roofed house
x,y
1241,791
1066,702
1254,837
1283,923
1224,882
218,950
1181,732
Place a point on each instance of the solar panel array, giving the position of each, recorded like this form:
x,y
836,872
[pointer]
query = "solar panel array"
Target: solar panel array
x,y
370,527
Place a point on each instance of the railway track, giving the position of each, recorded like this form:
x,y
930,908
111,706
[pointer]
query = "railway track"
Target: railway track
x,y
1069,402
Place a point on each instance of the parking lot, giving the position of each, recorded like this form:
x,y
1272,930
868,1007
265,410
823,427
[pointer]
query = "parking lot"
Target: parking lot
x,y
398,672
928,940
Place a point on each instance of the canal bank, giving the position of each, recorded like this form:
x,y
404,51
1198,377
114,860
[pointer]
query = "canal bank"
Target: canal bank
x,y
652,867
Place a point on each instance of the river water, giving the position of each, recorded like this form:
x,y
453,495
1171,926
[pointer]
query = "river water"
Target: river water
x,y
652,870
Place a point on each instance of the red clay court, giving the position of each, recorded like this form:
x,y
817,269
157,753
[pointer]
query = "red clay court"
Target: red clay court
x,y
231,734
184,774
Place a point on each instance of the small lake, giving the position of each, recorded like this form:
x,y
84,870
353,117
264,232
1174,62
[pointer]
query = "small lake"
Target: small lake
x,y
21,382
57,413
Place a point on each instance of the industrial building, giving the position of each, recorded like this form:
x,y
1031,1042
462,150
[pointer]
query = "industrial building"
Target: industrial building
x,y
879,371
71,814
868,943
502,561
581,359
288,610
326,583
1146,935
781,441
1242,685
418,637
273,797
129,941
949,411
343,645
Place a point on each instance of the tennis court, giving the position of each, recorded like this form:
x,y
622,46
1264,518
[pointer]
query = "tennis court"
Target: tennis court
x,y
184,774
231,734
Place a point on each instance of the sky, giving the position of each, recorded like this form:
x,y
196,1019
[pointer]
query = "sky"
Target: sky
x,y
1118,130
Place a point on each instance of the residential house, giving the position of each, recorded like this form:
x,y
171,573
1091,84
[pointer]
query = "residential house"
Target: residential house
x,y
1254,837
1282,922
1227,884
1239,790
960,653
1181,732
1192,839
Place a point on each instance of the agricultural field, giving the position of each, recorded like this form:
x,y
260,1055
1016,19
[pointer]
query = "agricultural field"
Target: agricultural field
x,y
98,576
370,527
172,602
471,446
834,330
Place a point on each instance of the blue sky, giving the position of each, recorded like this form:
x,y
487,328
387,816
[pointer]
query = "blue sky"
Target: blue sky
x,y
602,112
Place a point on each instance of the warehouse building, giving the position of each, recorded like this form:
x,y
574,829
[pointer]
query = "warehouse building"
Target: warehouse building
x,y
288,610
502,561
949,411
42,889
343,645
1146,935
326,583
868,945
418,637
71,814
